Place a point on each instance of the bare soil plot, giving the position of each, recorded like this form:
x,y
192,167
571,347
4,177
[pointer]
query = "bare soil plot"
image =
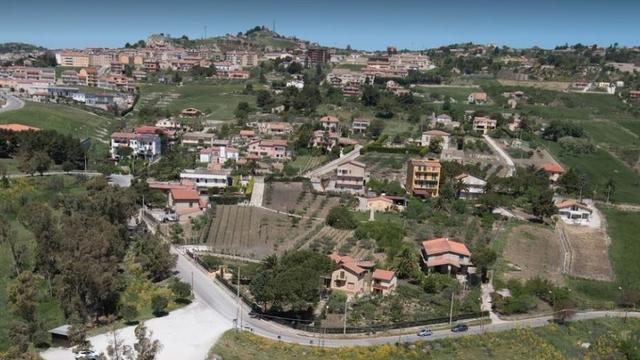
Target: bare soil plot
x,y
386,166
534,251
547,85
589,253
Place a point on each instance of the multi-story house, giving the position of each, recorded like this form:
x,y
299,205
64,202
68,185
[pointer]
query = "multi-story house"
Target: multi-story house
x,y
360,125
423,177
383,282
484,124
431,135
349,277
145,145
351,176
445,256
329,122
274,149
472,187
205,179
71,77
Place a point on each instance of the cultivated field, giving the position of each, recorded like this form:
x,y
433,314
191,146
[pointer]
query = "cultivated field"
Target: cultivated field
x,y
220,98
590,256
533,251
292,219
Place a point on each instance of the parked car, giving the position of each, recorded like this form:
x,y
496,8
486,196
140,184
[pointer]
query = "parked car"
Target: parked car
x,y
460,328
425,332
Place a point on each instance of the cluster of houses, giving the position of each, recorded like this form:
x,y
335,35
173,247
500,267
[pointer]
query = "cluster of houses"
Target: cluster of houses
x,y
360,277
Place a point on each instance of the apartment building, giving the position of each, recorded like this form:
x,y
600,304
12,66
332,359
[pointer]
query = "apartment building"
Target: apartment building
x,y
317,56
71,77
242,58
39,74
72,59
423,177
146,145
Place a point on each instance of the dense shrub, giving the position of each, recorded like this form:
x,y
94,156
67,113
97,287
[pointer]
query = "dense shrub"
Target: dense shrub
x,y
340,217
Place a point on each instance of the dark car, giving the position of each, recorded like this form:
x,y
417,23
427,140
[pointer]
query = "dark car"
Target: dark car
x,y
460,328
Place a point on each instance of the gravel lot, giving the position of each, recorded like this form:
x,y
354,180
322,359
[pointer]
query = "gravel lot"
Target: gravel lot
x,y
187,333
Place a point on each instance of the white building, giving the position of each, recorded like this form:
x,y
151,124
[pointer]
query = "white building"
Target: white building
x,y
473,186
574,212
219,154
205,179
298,84
146,145
432,135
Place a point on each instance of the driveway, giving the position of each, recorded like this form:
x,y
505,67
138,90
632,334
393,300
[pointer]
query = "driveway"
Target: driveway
x,y
187,333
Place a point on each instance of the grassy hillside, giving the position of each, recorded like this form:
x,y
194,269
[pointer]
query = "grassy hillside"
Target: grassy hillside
x,y
62,118
611,339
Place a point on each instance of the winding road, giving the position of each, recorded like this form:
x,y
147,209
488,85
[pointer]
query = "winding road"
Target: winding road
x,y
225,303
13,103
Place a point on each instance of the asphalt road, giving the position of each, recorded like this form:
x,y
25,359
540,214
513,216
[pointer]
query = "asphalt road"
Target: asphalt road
x,y
13,103
330,166
224,302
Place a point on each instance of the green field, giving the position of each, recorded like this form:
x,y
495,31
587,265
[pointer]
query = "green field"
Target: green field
x,y
305,163
460,94
606,337
624,250
62,118
220,97
599,167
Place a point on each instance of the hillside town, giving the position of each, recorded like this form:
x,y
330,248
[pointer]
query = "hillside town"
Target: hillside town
x,y
313,195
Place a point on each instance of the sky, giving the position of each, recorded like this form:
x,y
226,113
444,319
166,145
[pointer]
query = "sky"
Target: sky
x,y
367,25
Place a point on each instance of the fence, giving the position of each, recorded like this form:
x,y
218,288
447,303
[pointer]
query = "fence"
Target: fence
x,y
308,326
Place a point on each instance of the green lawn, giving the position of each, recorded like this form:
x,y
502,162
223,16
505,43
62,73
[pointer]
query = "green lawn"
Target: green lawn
x,y
460,94
609,132
548,342
220,97
599,167
62,118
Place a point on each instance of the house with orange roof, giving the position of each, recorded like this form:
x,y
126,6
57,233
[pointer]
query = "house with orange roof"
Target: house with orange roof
x,y
445,256
329,122
18,127
185,201
383,282
553,170
477,98
349,277
276,149
574,212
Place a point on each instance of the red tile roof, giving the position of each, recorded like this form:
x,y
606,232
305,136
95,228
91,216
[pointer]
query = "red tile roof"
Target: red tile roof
x,y
384,275
571,202
185,195
444,245
552,168
329,119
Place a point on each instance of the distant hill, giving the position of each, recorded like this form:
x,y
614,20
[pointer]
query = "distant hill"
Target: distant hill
x,y
16,46
257,38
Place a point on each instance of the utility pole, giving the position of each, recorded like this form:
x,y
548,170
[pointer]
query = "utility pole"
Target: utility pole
x,y
344,327
192,283
451,310
239,313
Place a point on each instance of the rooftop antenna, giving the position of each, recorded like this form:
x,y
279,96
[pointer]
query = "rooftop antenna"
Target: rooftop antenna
x,y
205,32
273,28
